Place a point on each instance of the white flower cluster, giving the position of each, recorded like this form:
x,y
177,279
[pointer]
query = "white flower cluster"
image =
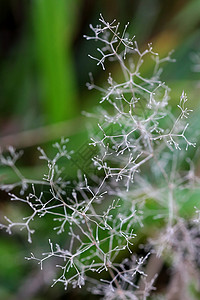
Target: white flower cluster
x,y
139,164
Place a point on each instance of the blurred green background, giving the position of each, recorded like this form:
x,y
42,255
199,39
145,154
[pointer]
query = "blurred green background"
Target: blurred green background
x,y
43,71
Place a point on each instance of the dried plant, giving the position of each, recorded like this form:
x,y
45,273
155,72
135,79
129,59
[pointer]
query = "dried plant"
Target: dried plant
x,y
141,146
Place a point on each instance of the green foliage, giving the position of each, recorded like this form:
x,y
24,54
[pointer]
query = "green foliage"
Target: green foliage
x,y
53,26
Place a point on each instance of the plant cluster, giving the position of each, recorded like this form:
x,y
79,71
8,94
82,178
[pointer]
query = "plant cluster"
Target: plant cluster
x,y
141,183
